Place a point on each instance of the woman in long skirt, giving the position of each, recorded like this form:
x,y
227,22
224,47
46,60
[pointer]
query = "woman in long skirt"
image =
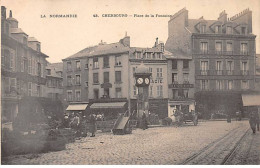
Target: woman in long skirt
x,y
92,125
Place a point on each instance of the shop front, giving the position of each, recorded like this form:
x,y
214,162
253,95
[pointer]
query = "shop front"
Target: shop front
x,y
109,110
182,105
77,108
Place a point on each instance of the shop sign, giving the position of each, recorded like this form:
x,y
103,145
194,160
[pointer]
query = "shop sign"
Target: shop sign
x,y
181,85
157,81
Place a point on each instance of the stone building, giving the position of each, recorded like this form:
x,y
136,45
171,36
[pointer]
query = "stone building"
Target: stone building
x,y
54,89
23,77
223,52
102,77
181,82
257,74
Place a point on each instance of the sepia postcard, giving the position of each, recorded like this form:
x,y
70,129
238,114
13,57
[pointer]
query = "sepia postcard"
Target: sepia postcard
x,y
131,82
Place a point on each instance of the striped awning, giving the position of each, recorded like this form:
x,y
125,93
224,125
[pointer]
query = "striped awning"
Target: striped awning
x,y
251,99
77,107
107,105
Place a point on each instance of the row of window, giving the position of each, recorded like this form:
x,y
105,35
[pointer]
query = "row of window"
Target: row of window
x,y
54,83
223,84
30,89
148,55
118,94
219,29
118,62
185,77
48,72
185,64
204,47
159,91
204,66
180,93
30,65
159,72
118,77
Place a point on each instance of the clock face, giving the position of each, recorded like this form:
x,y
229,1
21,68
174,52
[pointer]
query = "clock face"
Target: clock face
x,y
140,80
147,81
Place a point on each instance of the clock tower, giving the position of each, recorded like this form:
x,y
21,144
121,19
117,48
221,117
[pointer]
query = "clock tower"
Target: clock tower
x,y
142,82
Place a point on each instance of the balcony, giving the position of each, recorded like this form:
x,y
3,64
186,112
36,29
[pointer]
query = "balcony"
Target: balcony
x,y
244,53
204,52
219,52
244,72
214,52
230,72
180,98
204,72
184,85
219,72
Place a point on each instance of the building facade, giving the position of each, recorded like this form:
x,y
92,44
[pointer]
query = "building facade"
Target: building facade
x,y
181,81
108,75
223,52
22,71
154,59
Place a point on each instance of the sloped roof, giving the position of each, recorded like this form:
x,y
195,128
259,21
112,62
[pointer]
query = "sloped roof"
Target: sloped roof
x,y
193,22
175,54
55,67
101,49
11,19
17,31
32,39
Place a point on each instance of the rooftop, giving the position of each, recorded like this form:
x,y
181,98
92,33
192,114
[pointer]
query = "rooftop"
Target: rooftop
x,y
101,49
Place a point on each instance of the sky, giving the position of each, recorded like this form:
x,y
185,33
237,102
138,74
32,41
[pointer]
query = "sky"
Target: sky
x,y
63,37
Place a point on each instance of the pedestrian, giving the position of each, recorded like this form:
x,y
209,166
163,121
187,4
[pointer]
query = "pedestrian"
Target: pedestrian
x,y
238,116
83,126
92,125
253,121
257,120
66,121
228,118
144,122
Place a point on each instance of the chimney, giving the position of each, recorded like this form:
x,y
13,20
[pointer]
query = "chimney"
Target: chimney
x,y
161,46
156,41
3,13
10,14
223,17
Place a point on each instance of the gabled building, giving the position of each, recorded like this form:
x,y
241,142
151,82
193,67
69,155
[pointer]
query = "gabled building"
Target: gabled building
x,y
223,52
102,77
23,77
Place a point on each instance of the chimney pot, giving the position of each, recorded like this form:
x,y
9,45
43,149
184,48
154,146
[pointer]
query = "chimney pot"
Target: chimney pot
x,y
10,14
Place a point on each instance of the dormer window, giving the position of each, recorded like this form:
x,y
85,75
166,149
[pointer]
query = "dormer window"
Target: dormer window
x,y
229,30
218,29
203,29
148,56
138,55
243,30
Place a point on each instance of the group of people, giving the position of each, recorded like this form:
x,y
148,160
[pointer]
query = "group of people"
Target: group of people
x,y
81,124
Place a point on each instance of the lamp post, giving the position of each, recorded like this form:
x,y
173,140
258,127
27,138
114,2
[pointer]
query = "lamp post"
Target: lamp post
x,y
142,82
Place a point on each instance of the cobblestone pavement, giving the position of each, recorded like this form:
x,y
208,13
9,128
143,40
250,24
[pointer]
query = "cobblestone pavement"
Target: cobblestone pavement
x,y
160,145
248,151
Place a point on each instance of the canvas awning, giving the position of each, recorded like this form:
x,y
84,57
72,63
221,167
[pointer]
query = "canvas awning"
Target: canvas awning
x,y
107,105
77,107
251,99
